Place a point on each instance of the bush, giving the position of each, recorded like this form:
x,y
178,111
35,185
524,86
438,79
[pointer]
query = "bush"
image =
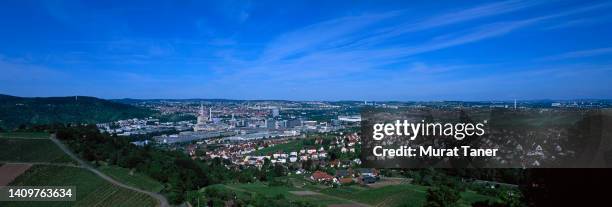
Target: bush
x,y
442,196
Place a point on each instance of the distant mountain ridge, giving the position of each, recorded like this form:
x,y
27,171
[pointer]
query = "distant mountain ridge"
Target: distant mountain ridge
x,y
16,111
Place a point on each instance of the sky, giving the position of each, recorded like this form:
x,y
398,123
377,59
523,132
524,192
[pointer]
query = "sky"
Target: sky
x,y
307,50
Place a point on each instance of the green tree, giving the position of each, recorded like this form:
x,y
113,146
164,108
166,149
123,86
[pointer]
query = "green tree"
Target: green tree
x,y
442,196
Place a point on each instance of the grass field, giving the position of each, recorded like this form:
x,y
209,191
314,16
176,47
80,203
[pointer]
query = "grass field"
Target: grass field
x,y
90,189
395,195
31,150
291,146
138,180
25,135
272,191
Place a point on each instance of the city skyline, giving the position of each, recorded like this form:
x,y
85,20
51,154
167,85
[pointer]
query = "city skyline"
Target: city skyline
x,y
373,51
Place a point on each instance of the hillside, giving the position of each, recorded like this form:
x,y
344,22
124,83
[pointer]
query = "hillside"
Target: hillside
x,y
15,111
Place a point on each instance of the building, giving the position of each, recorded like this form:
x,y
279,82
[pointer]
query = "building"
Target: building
x,y
275,112
202,119
320,176
355,118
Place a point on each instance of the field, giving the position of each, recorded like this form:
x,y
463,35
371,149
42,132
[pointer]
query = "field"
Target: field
x,y
31,150
272,191
394,195
138,180
9,172
90,189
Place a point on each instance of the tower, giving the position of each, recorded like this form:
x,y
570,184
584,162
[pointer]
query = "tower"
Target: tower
x,y
514,104
210,114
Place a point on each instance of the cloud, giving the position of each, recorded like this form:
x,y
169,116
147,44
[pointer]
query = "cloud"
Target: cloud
x,y
319,36
580,22
351,32
454,17
460,38
333,53
579,54
335,47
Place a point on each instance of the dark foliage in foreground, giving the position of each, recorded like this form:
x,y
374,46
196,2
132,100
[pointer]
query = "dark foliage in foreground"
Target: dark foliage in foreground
x,y
176,170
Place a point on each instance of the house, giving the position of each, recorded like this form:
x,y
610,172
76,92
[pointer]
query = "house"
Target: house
x,y
343,150
320,176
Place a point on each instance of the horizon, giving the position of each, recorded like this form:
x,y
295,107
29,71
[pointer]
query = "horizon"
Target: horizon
x,y
384,101
309,50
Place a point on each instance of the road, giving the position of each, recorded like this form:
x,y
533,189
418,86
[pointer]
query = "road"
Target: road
x,y
163,202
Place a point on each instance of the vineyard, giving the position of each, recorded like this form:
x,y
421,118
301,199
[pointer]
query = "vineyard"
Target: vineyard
x,y
31,150
90,189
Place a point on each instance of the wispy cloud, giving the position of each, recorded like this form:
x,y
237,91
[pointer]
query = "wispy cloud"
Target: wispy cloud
x,y
581,22
453,17
353,32
319,36
347,48
310,63
579,54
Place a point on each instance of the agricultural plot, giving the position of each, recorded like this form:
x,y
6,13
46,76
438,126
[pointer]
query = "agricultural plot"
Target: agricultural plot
x,y
31,150
127,177
90,189
9,172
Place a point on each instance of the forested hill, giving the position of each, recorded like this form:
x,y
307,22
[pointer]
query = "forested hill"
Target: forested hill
x,y
16,111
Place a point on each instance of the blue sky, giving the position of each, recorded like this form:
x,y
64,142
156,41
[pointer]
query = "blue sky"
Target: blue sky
x,y
307,50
